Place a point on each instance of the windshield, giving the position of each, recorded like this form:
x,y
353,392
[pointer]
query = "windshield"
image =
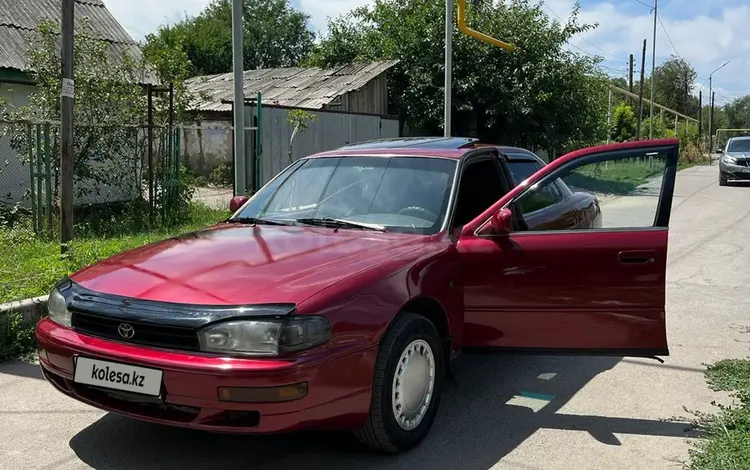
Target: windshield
x,y
403,194
739,145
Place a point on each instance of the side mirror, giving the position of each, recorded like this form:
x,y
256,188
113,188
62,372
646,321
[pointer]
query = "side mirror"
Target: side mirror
x,y
237,202
499,223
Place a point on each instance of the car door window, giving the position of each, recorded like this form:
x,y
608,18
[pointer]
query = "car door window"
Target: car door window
x,y
481,185
619,192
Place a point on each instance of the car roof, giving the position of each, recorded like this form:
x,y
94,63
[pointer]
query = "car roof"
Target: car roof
x,y
445,147
739,137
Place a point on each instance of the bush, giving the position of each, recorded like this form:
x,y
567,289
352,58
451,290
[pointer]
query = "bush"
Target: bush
x,y
222,175
16,338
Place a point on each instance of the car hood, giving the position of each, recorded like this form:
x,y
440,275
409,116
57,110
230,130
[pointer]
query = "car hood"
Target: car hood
x,y
739,155
241,264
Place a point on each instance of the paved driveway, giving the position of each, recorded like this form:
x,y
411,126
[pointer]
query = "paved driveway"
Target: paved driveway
x,y
505,413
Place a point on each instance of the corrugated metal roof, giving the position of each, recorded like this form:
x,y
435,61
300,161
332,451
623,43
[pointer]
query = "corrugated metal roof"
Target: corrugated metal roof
x,y
19,18
295,87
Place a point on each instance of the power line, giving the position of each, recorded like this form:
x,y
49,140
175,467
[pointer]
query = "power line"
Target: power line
x,y
668,38
603,50
643,3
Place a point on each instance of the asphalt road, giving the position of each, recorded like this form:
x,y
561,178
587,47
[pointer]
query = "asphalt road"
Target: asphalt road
x,y
505,413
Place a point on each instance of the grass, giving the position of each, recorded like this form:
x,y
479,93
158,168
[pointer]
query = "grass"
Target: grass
x,y
30,266
16,338
727,433
618,178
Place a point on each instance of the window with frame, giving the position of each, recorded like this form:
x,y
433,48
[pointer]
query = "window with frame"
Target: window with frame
x,y
622,191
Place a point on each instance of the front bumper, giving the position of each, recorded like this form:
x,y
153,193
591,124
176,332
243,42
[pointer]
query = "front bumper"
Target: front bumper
x,y
338,394
734,172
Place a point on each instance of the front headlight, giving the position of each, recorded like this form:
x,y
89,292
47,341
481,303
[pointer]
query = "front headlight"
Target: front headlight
x,y
58,310
730,160
265,337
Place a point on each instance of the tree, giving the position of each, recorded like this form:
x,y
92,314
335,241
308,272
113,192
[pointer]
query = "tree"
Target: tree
x,y
539,95
674,81
109,114
623,123
275,35
738,113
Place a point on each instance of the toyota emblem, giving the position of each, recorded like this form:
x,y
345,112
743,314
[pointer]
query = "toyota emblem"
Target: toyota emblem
x,y
126,331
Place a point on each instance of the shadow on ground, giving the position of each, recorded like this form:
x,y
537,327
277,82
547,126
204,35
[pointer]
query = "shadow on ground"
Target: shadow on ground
x,y
476,426
26,369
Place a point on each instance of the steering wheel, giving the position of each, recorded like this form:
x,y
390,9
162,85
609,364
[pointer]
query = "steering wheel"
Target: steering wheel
x,y
418,210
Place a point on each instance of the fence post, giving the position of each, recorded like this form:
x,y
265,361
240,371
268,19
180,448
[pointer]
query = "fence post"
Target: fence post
x,y
39,174
34,209
150,132
259,144
48,175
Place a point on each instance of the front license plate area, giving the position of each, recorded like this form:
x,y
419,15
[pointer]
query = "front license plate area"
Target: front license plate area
x,y
117,376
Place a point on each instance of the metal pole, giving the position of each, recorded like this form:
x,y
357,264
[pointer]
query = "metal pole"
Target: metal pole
x,y
653,70
609,116
711,125
448,67
239,100
640,94
150,137
67,158
700,119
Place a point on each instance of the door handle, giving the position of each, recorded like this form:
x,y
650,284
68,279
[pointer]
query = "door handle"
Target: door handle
x,y
636,257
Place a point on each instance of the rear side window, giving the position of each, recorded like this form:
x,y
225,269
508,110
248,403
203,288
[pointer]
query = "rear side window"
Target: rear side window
x,y
522,169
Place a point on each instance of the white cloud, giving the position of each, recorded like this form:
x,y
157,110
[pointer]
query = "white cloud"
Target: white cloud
x,y
321,10
140,17
706,35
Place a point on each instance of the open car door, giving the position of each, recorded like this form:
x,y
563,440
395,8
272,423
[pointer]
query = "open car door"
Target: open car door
x,y
594,288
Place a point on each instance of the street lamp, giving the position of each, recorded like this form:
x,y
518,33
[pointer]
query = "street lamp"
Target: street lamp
x,y
711,113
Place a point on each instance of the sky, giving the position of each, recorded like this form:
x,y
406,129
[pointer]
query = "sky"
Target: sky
x,y
705,32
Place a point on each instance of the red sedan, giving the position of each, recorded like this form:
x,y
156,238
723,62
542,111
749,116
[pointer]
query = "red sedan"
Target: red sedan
x,y
336,297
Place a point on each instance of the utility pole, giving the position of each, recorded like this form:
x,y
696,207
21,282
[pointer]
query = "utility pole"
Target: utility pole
x,y
240,188
67,158
630,75
700,117
711,126
653,70
609,116
447,102
640,93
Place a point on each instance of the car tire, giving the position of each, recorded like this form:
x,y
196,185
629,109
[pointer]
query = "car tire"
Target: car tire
x,y
722,181
410,335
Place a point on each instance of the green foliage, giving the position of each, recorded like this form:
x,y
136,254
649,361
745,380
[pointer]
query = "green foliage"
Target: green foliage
x,y
674,80
107,96
30,266
16,338
300,120
619,178
624,123
727,443
222,175
540,95
738,113
276,35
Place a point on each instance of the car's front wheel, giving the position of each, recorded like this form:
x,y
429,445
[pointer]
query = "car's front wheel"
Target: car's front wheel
x,y
406,386
722,181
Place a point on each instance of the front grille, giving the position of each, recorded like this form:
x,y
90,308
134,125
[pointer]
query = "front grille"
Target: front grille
x,y
167,337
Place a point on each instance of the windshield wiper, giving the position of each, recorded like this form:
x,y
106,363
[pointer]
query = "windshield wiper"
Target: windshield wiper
x,y
257,221
340,223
